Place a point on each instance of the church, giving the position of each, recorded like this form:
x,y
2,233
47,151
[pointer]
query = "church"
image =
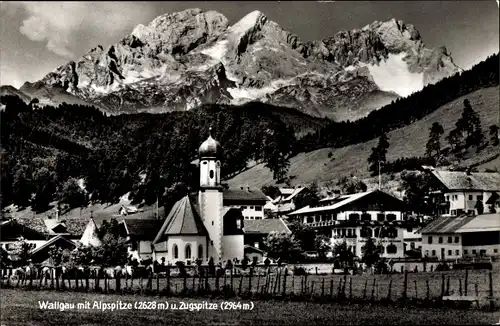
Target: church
x,y
209,225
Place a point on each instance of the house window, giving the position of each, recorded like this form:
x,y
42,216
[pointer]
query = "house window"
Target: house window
x,y
453,212
473,251
457,252
366,233
434,253
188,252
258,208
366,217
440,240
243,207
495,251
479,197
211,174
391,217
392,233
353,217
376,232
412,245
466,252
457,239
238,223
449,252
310,219
429,239
409,230
450,239
392,249
427,252
455,197
175,250
482,252
381,249
200,252
471,197
380,217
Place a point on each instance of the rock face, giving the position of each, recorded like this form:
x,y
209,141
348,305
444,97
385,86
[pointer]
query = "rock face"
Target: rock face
x,y
184,59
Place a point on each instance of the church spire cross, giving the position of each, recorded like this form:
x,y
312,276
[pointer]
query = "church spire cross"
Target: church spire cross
x,y
210,131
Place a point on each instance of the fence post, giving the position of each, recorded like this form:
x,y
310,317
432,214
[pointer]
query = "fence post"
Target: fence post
x,y
322,287
339,289
232,289
428,294
157,283
466,281
343,285
442,286
331,288
184,284
86,282
460,286
168,280
364,291
477,291
117,282
250,281
405,285
293,284
240,286
106,283
390,289
416,291
194,286
207,287
448,286
312,289
258,283
350,288
373,288
57,279
284,282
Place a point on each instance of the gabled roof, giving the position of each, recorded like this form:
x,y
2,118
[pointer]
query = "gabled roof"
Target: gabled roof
x,y
12,229
265,226
144,229
334,206
455,180
53,241
446,224
243,195
183,219
482,223
295,192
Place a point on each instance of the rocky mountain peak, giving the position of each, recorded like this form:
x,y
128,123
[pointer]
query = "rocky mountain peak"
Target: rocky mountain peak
x,y
184,59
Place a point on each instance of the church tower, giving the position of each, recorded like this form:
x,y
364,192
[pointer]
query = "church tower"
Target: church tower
x,y
210,196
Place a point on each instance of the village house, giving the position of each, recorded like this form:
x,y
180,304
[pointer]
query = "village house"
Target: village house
x,y
357,217
455,193
284,203
454,237
256,233
251,201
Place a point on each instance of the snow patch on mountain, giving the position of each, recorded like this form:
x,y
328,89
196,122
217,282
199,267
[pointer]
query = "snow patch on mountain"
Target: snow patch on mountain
x,y
246,94
246,23
392,75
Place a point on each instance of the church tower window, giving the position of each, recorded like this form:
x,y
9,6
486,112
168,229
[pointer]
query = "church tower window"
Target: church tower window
x,y
188,251
211,174
200,252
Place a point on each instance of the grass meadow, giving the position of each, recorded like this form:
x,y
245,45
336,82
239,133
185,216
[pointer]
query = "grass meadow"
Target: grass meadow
x,y
19,307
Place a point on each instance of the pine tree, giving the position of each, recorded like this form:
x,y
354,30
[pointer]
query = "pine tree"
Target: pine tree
x,y
378,155
433,144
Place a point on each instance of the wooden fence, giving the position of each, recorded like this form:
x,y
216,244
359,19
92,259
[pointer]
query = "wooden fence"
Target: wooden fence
x,y
417,288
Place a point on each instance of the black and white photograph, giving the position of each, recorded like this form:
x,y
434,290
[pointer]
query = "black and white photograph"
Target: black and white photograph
x,y
249,163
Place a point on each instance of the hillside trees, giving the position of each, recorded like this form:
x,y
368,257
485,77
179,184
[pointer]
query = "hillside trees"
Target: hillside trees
x,y
72,194
494,135
307,197
283,246
468,130
416,186
351,185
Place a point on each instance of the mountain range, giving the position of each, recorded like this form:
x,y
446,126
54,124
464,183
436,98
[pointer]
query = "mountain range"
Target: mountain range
x,y
182,60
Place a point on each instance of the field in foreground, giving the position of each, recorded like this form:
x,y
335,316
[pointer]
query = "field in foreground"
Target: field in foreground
x,y
404,142
22,308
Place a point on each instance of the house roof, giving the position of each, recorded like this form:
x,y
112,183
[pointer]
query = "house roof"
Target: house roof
x,y
334,206
482,223
493,198
182,219
142,228
51,242
72,227
252,248
244,195
446,224
455,180
12,229
265,226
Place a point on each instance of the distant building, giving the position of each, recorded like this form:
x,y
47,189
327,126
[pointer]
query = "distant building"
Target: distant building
x,y
452,237
357,217
256,233
456,193
284,203
251,201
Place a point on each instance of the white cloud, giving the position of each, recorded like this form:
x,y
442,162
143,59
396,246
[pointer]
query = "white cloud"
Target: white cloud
x,y
58,23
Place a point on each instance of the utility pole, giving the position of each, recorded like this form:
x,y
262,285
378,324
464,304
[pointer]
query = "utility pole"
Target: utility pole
x,y
379,176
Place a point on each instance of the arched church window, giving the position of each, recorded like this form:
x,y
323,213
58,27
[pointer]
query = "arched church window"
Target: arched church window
x,y
175,250
188,251
211,174
200,252
218,163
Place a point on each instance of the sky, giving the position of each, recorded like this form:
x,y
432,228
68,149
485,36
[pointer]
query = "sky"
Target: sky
x,y
37,37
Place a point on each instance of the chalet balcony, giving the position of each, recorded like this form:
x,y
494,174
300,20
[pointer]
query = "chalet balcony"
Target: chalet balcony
x,y
347,223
